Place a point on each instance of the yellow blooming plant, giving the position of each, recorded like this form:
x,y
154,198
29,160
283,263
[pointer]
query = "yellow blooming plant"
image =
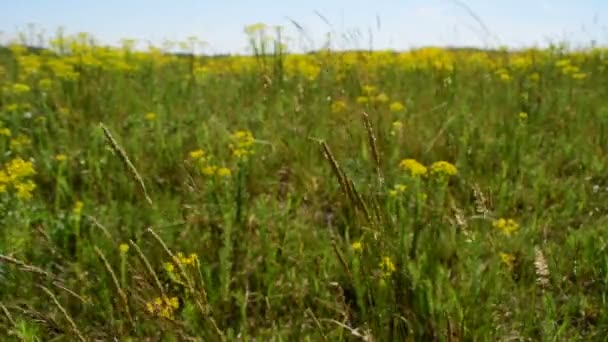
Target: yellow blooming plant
x,y
397,190
163,306
506,226
15,174
508,259
387,266
338,106
357,246
243,144
443,168
414,167
396,107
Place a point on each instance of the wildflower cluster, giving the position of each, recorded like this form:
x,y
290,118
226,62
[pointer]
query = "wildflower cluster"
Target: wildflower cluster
x,y
371,95
15,174
387,266
508,259
396,127
506,226
443,168
397,190
243,144
416,169
413,167
201,160
180,260
163,306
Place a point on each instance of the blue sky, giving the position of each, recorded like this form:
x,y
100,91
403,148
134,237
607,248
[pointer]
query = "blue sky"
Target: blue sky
x,y
402,24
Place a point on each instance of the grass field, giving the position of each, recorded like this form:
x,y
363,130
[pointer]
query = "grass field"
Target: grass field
x,y
427,195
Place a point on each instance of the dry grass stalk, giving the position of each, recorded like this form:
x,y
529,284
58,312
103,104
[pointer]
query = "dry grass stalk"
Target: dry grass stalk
x,y
541,267
65,313
126,161
121,293
24,266
373,145
336,168
8,314
148,267
185,276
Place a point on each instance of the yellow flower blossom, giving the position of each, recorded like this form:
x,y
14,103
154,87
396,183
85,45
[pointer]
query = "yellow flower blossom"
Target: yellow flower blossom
x,y
357,246
523,115
123,248
209,170
20,88
507,259
369,89
387,265
24,189
382,98
396,107
150,116
579,76
5,131
413,166
45,84
362,100
443,168
19,168
397,190
507,226
338,106
61,157
163,306
77,209
19,142
197,154
223,172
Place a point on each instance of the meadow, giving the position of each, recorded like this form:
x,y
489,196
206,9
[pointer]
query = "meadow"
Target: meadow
x,y
431,195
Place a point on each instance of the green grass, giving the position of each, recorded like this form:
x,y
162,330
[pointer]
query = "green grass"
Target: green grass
x,y
274,241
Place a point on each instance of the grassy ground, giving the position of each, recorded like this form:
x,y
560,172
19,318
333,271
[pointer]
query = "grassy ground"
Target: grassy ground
x,y
152,197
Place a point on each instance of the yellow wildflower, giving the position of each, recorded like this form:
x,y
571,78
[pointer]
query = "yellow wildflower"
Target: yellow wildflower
x,y
24,189
413,166
443,168
534,77
5,131
61,157
77,209
223,172
369,89
398,189
357,246
396,107
12,107
507,226
507,259
197,154
20,88
168,267
579,76
163,306
209,170
150,116
338,106
382,98
45,84
19,168
362,100
21,141
387,265
523,115
124,248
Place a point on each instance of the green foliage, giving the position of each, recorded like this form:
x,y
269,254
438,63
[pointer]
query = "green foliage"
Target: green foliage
x,y
250,198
